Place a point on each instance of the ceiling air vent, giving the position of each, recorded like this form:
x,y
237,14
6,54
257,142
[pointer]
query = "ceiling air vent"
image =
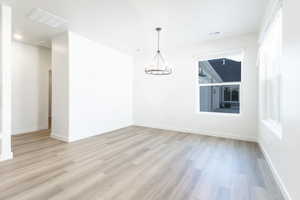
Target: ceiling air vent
x,y
47,18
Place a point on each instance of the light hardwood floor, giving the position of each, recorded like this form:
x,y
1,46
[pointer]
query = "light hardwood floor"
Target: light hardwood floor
x,y
136,163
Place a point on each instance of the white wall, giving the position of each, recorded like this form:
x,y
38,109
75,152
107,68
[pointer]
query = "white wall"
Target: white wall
x,y
170,102
60,87
5,82
99,88
30,87
284,153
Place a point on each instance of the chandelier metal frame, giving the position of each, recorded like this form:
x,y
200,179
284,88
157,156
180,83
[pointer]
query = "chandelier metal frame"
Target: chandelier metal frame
x,y
159,66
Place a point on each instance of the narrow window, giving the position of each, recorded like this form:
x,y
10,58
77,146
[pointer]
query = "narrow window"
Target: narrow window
x,y
270,75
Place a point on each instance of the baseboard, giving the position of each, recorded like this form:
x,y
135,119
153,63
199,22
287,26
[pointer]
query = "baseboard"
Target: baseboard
x,y
206,133
275,174
95,133
66,139
8,156
227,136
59,137
83,137
28,130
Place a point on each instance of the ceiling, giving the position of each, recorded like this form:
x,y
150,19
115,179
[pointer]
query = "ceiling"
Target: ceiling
x,y
129,25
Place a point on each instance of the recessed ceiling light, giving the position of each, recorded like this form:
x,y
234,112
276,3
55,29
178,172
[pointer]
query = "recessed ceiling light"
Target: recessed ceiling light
x,y
44,17
18,36
215,33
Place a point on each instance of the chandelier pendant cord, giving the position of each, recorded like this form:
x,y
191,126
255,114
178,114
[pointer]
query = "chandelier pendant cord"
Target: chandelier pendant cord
x,y
158,50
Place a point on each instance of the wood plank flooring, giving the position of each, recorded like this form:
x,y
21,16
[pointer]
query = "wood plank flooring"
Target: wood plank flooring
x,y
136,163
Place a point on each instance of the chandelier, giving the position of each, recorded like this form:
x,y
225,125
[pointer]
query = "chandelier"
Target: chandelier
x,y
158,67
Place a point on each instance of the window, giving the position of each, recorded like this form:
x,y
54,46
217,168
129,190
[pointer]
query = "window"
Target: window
x,y
219,83
269,67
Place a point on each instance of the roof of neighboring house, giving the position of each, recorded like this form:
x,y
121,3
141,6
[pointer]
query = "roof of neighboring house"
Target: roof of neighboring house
x,y
230,72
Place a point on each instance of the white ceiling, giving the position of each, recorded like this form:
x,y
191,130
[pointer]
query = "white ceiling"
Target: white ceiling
x,y
129,24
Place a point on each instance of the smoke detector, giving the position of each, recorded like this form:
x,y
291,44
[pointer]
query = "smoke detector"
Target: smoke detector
x,y
216,33
44,17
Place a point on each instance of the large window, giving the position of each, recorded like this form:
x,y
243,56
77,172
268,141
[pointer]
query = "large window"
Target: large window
x,y
269,64
219,83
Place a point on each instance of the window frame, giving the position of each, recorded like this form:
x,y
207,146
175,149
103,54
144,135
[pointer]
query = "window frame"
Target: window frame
x,y
275,126
216,55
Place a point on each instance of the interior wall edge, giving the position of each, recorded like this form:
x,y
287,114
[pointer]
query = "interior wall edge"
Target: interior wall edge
x,y
275,173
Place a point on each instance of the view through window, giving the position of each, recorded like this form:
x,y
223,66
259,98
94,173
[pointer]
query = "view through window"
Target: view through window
x,y
219,84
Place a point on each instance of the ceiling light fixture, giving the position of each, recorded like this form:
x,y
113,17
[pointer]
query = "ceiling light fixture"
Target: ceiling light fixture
x,y
18,36
44,17
159,66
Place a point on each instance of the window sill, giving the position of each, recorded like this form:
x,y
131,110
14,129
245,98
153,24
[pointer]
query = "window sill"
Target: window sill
x,y
274,127
219,114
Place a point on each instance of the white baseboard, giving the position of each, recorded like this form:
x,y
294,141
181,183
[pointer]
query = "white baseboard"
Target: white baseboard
x,y
8,156
275,173
227,136
95,133
28,130
83,137
59,137
207,133
73,139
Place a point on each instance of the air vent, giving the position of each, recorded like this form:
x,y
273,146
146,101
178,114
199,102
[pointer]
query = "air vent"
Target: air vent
x,y
47,18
